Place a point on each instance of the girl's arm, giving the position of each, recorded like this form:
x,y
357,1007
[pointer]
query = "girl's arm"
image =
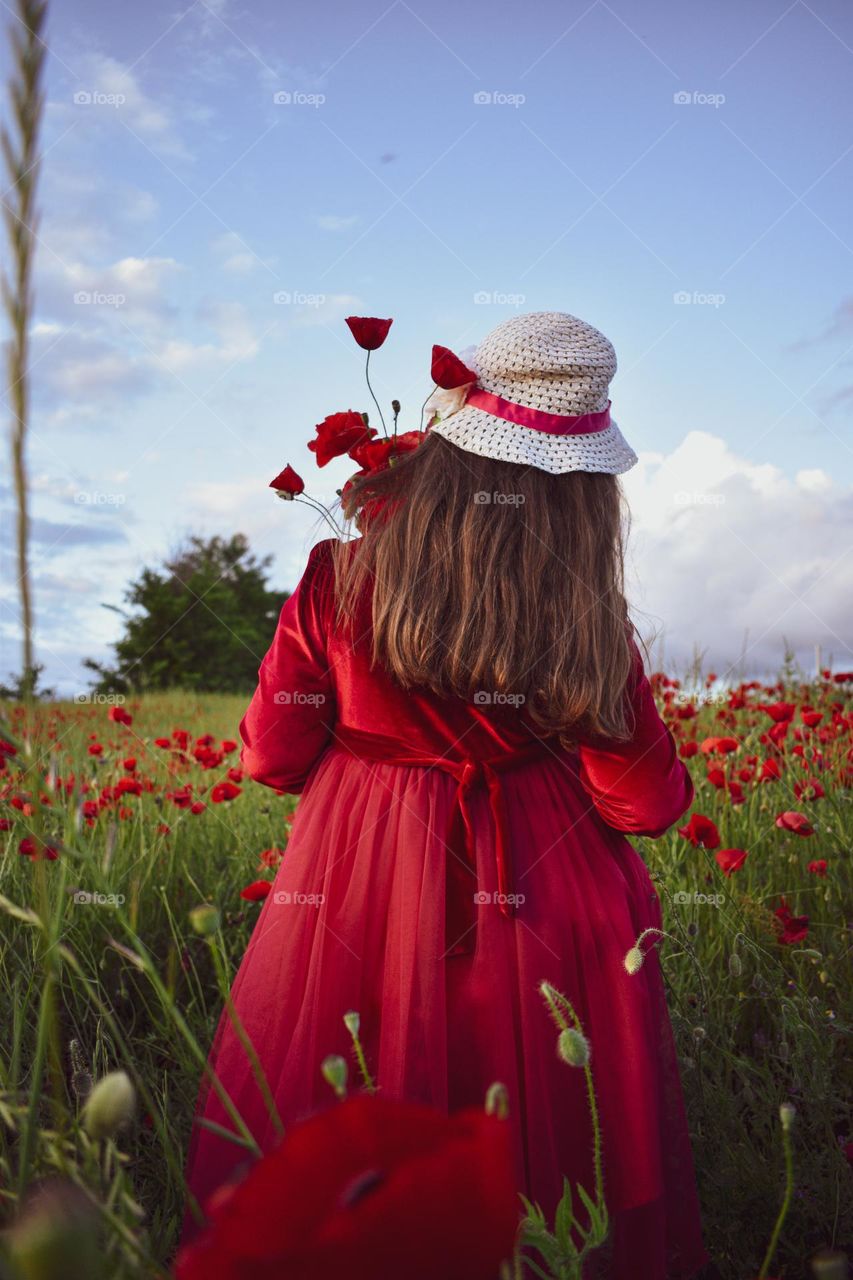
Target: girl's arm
x,y
289,721
640,786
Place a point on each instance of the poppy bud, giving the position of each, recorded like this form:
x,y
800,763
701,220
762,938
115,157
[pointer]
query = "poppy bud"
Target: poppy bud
x,y
56,1236
334,1069
110,1105
786,1115
735,965
634,960
395,406
829,1265
573,1047
497,1101
699,1034
205,919
352,1022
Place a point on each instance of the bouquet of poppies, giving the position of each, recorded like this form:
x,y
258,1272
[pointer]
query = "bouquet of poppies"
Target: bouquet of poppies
x,y
349,432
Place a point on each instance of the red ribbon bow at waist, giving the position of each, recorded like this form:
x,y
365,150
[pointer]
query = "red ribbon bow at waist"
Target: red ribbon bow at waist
x,y
470,773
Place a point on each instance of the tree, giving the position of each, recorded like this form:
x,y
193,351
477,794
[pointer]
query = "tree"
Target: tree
x,y
204,622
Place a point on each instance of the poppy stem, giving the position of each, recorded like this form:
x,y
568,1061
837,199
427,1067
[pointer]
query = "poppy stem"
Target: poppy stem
x,y
786,1202
370,389
424,405
318,506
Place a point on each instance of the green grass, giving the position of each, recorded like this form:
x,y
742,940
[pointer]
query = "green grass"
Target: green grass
x,y
136,988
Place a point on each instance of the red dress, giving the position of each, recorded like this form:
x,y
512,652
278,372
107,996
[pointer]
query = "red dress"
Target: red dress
x,y
443,861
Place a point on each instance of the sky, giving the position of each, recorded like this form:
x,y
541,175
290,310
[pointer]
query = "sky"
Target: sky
x,y
223,183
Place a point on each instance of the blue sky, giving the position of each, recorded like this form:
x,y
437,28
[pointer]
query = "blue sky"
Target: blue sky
x,y
183,198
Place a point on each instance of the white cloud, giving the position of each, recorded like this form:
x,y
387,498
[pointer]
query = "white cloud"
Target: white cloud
x,y
728,553
235,254
117,98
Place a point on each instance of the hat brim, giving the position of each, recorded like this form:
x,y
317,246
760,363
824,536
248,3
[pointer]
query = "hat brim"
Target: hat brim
x,y
491,437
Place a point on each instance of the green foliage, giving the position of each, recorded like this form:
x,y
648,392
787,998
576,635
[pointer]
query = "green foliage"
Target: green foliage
x,y
203,623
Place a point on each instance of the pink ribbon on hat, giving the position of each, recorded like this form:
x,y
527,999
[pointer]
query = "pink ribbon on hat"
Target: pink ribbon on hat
x,y
555,424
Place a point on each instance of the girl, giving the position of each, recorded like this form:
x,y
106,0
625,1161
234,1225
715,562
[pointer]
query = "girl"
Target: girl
x,y
459,699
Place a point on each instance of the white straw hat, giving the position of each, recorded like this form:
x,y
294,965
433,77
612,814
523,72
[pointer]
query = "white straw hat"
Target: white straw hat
x,y
541,398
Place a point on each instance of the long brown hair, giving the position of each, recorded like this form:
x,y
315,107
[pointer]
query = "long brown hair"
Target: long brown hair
x,y
496,582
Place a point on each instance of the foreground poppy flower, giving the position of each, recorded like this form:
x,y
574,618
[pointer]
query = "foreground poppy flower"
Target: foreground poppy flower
x,y
817,867
729,860
368,1189
337,434
790,820
256,891
224,791
288,483
448,371
701,832
791,928
368,332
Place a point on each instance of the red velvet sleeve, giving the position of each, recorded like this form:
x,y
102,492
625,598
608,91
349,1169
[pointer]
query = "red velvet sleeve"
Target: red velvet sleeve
x,y
289,721
640,786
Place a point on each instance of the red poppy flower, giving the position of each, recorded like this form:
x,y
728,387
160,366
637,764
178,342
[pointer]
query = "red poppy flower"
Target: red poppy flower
x,y
288,483
162,742
701,832
818,867
780,711
811,718
369,332
29,848
688,749
224,791
256,891
369,1187
798,823
119,716
791,928
406,441
770,770
730,860
448,371
372,455
337,434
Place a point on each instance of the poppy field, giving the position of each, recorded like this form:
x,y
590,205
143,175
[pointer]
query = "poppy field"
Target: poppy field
x,y
135,855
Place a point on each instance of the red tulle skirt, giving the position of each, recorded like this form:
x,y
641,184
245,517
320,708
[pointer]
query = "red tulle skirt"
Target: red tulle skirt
x,y
356,921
